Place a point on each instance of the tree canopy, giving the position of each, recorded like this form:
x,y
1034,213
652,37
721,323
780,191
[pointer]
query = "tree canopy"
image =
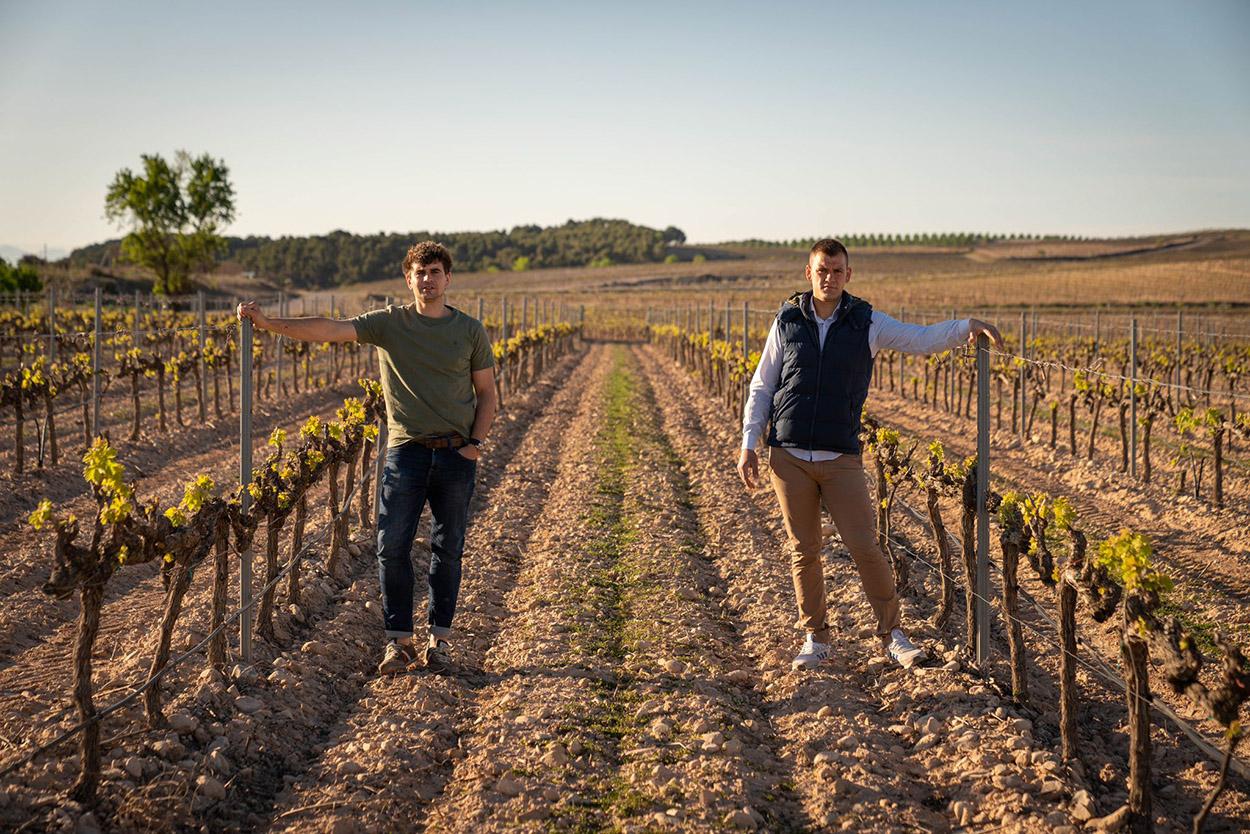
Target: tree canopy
x,y
175,213
20,276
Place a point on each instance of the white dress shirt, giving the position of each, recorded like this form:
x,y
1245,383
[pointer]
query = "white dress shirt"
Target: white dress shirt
x,y
883,332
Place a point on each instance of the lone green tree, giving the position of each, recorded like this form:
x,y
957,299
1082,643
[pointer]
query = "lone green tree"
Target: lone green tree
x,y
175,213
20,276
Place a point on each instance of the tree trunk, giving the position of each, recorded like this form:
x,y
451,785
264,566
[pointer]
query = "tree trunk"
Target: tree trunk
x,y
221,577
200,390
1147,425
1015,405
1010,544
1137,675
967,525
334,562
229,378
297,544
1072,425
86,413
49,411
366,485
91,599
1068,695
19,443
883,516
173,606
1123,416
947,601
217,391
1093,429
134,403
349,481
1217,440
160,398
264,613
998,403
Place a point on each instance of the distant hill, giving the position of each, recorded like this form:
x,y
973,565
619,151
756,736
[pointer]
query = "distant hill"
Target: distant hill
x,y
13,254
340,258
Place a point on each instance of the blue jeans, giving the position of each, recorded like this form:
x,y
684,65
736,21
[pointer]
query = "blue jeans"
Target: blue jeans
x,y
411,476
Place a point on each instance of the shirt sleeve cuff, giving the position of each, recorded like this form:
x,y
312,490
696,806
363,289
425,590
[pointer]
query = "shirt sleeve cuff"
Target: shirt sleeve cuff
x,y
750,438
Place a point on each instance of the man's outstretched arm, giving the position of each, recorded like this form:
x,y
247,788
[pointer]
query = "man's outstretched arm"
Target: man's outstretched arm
x,y
758,407
304,329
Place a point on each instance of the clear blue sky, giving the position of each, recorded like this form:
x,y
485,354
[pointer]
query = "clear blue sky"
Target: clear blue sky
x,y
729,120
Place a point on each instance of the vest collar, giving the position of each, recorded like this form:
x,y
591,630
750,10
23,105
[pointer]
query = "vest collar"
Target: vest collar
x,y
802,301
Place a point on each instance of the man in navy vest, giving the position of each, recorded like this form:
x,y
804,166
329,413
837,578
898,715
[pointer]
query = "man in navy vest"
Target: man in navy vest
x,y
811,384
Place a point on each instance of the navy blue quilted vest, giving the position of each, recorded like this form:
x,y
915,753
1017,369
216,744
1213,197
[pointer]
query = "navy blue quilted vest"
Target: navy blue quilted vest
x,y
820,397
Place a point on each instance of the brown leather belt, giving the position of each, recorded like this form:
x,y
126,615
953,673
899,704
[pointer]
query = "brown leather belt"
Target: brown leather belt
x,y
445,441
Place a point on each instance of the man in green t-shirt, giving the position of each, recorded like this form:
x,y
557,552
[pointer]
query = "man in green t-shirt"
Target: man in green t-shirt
x,y
439,385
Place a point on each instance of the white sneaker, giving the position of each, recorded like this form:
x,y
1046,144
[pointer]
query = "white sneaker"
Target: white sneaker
x,y
811,655
901,649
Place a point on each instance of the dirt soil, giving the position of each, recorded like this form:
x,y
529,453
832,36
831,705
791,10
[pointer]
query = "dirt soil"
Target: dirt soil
x,y
622,663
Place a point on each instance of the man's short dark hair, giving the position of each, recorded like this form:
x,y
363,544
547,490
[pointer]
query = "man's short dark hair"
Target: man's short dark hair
x,y
427,252
830,246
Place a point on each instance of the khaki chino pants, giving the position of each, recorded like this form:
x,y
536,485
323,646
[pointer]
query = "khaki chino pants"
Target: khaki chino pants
x,y
802,486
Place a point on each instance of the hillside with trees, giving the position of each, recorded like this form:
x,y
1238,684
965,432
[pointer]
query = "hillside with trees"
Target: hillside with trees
x,y
340,258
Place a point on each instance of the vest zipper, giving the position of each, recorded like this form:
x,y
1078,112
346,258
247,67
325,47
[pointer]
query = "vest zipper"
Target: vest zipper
x,y
820,359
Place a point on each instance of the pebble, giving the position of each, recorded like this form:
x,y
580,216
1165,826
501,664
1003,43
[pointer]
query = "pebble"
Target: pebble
x,y
166,749
87,824
556,756
508,786
926,742
741,819
739,676
733,747
183,723
244,674
344,825
824,712
133,766
210,787
713,741
675,667
962,812
218,763
951,666
247,704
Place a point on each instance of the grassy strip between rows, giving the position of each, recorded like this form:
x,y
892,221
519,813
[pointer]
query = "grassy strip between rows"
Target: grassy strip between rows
x,y
613,635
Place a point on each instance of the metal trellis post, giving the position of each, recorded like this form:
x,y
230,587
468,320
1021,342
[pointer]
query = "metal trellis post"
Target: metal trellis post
x,y
96,369
983,489
245,478
1132,351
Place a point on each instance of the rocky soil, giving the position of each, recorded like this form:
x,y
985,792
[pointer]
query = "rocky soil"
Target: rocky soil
x,y
622,664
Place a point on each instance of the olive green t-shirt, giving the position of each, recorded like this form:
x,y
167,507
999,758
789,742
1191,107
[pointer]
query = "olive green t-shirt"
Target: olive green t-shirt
x,y
426,365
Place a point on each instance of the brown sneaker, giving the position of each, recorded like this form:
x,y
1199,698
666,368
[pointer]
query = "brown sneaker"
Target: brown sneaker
x,y
438,657
397,658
